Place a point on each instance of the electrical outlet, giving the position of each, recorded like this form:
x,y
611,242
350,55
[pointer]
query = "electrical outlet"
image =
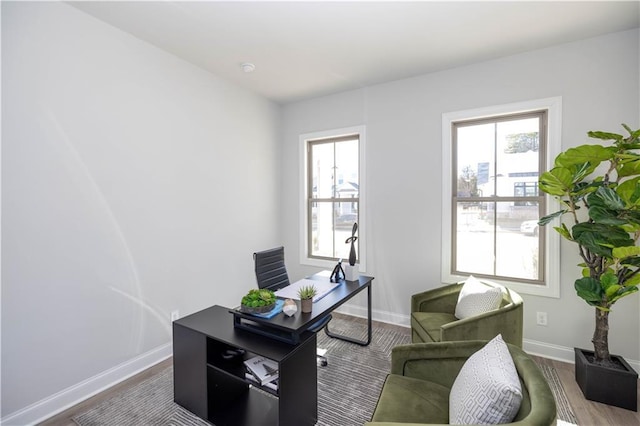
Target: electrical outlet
x,y
541,318
175,315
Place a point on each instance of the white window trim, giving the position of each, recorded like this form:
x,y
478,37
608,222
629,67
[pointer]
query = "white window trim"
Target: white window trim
x,y
302,202
551,287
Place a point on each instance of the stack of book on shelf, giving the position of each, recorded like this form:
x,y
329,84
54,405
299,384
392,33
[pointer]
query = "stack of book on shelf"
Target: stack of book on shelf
x,y
263,371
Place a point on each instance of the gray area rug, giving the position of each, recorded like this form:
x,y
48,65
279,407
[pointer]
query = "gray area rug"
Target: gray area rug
x,y
565,412
348,388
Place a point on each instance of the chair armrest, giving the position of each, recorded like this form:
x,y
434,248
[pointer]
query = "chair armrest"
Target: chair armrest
x,y
508,319
437,362
441,299
543,404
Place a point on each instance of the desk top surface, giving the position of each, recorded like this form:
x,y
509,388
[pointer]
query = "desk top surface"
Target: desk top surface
x,y
322,308
206,321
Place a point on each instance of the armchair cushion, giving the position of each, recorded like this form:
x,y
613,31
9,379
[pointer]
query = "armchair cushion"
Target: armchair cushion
x,y
429,324
406,399
487,389
476,298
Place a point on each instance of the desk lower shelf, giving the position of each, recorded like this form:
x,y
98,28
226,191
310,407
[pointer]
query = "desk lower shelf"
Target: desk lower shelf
x,y
233,402
215,388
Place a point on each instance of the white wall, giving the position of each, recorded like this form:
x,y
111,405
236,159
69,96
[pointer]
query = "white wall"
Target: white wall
x,y
133,184
598,80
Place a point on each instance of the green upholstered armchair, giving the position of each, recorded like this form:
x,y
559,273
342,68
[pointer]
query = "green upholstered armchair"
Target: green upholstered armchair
x,y
416,393
433,319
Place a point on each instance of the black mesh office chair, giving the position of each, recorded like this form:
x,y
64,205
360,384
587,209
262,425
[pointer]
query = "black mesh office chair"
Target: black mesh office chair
x,y
270,270
272,274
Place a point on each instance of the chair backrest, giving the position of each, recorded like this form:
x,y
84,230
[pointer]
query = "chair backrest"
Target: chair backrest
x,y
270,270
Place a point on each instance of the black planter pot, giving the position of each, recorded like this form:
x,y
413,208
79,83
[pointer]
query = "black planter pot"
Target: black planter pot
x,y
610,386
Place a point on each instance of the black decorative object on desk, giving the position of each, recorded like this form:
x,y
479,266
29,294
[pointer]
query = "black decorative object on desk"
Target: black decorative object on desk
x,y
352,239
338,273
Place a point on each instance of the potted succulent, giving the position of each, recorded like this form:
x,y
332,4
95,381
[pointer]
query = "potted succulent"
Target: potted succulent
x,y
258,301
598,188
306,293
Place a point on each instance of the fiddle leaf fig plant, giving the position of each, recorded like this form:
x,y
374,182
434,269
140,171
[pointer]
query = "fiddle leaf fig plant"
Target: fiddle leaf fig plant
x,y
598,188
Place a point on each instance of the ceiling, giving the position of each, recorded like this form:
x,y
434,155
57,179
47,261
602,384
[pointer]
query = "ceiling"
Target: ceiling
x,y
308,49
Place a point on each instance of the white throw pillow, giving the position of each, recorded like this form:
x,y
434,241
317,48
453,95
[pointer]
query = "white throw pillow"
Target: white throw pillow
x,y
476,298
487,389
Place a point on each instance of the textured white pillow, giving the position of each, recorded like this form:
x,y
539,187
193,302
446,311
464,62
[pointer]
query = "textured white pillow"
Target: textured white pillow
x,y
487,389
476,298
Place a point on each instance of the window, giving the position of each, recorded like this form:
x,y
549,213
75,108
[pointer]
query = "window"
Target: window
x,y
491,204
332,195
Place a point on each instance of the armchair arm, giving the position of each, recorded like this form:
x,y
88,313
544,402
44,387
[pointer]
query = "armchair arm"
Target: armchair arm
x,y
437,362
441,299
507,319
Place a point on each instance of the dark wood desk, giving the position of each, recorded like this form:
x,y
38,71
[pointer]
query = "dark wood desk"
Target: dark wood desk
x,y
215,388
289,329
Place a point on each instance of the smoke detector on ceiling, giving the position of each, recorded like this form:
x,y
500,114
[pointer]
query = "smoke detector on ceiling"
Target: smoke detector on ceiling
x,y
247,67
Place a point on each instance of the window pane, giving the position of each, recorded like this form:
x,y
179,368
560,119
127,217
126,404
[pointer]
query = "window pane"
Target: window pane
x,y
322,169
322,230
342,248
330,231
347,180
498,231
517,155
475,238
517,241
475,154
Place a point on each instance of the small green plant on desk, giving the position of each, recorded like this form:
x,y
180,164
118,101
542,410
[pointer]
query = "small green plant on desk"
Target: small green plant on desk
x,y
258,301
306,294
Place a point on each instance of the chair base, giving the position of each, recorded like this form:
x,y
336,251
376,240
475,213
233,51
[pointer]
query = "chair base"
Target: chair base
x,y
321,360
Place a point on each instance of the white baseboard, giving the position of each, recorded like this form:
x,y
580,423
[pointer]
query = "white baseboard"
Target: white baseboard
x,y
547,350
376,314
562,353
58,402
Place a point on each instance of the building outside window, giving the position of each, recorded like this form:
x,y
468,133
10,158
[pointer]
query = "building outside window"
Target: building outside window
x,y
332,194
493,199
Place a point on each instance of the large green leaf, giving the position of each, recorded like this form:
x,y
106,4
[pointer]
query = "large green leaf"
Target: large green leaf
x,y
605,216
580,171
612,290
606,197
627,251
625,291
581,189
589,289
564,231
631,261
633,281
608,279
558,181
545,220
633,216
629,191
609,283
605,136
600,238
629,168
592,154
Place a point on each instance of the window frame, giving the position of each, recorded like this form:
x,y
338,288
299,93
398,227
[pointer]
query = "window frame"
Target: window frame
x,y
305,213
550,276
